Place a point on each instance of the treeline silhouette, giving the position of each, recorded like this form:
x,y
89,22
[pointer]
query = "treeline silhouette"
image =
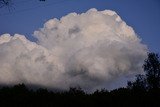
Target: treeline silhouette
x,y
144,92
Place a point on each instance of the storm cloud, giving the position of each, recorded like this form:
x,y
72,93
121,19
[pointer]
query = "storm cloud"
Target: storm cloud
x,y
90,50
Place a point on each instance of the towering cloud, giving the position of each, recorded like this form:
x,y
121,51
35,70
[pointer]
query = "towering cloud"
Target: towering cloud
x,y
89,50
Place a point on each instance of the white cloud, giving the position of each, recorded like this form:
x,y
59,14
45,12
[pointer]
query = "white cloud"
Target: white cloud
x,y
90,50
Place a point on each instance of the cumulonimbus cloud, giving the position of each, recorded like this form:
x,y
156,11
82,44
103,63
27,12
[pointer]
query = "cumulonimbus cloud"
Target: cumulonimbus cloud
x,y
86,50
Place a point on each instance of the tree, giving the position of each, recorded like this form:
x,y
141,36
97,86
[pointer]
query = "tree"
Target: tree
x,y
76,91
4,3
151,79
139,83
9,2
152,70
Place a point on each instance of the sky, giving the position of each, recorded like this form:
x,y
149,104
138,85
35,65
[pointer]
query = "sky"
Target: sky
x,y
103,47
25,16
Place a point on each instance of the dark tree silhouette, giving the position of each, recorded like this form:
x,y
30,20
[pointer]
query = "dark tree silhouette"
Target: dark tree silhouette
x,y
10,2
4,3
139,83
151,79
137,94
152,70
76,91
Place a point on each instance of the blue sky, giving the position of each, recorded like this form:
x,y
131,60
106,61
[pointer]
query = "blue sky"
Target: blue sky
x,y
26,16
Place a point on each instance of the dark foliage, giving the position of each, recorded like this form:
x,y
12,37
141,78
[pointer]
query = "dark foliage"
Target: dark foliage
x,y
4,3
143,92
20,96
42,0
139,83
151,79
152,70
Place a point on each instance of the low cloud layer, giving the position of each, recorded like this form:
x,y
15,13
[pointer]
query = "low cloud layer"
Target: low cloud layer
x,y
90,50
